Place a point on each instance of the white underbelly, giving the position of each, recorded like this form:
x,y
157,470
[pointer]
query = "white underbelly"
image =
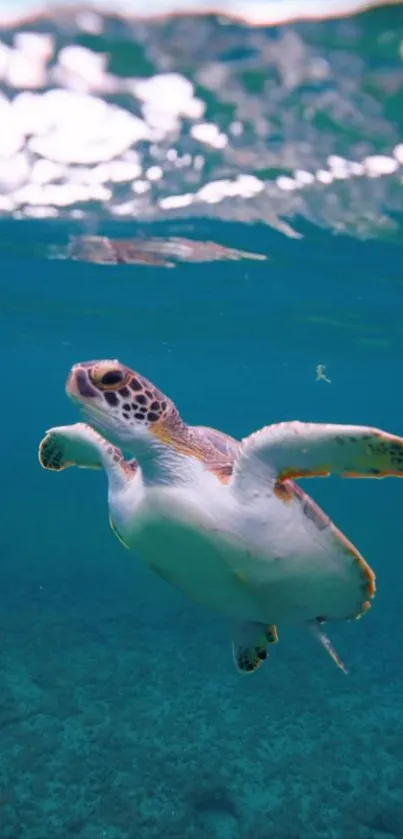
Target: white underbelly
x,y
277,570
201,565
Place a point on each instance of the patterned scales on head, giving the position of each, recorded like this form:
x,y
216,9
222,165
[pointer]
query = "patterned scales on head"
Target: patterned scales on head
x,y
223,520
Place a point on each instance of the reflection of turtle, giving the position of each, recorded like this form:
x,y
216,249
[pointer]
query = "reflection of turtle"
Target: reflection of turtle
x,y
223,521
156,251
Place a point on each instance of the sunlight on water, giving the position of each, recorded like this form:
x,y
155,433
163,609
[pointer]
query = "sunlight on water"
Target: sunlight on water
x,y
114,117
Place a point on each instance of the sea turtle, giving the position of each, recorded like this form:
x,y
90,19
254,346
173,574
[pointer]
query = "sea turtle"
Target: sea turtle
x,y
223,521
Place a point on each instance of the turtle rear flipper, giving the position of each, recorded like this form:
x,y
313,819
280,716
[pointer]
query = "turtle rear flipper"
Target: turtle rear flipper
x,y
249,646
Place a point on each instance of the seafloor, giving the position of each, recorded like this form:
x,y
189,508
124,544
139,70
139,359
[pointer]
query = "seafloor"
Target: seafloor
x,y
122,717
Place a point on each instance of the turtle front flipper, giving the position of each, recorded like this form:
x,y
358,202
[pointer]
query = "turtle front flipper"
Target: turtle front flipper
x,y
249,645
68,445
82,446
309,450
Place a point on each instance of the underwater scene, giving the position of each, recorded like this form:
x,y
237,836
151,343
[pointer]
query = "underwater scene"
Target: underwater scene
x,y
201,236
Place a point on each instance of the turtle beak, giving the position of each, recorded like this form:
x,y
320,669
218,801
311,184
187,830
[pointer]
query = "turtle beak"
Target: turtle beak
x,y
78,386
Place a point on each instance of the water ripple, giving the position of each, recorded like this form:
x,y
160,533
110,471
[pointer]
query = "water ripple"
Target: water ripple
x,y
178,116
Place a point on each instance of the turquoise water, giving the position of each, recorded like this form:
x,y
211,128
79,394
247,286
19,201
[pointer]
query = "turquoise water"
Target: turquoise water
x,y
121,713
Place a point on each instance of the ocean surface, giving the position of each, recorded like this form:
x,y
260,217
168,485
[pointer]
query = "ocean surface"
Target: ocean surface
x,y
217,202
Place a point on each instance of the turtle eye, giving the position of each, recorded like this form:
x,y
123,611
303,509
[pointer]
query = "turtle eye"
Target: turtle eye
x,y
108,377
112,377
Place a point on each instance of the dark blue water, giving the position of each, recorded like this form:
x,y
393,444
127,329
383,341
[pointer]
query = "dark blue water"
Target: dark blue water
x,y
121,713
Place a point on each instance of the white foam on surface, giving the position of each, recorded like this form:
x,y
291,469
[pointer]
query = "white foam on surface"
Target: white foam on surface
x,y
255,12
74,132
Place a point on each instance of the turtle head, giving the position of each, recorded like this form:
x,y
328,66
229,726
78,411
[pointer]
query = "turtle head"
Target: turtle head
x,y
127,408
